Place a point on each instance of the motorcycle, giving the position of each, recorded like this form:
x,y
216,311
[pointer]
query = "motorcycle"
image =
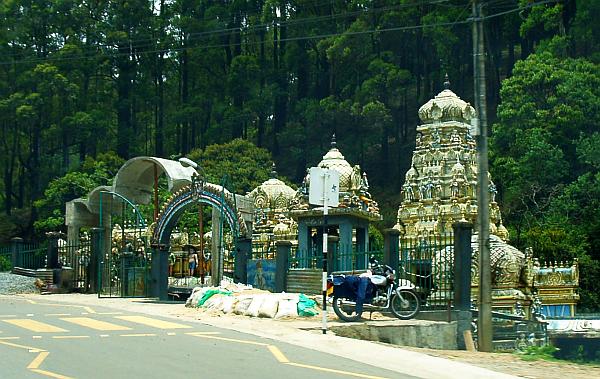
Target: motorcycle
x,y
374,291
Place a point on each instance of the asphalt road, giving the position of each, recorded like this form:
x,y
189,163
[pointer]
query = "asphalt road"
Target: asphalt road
x,y
42,339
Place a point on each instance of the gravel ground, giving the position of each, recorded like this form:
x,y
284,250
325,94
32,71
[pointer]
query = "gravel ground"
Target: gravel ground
x,y
11,284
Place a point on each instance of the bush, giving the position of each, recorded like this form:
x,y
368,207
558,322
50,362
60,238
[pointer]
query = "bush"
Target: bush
x,y
5,264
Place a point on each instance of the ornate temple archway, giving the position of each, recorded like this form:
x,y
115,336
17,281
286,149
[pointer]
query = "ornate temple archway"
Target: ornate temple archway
x,y
188,196
198,192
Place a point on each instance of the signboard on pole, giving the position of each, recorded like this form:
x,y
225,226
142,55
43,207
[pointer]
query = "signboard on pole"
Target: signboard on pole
x,y
324,187
324,190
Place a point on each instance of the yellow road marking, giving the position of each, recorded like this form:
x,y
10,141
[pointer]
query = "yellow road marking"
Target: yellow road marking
x,y
9,338
95,324
335,371
278,354
153,322
50,374
230,340
38,360
139,335
69,337
31,349
35,326
281,358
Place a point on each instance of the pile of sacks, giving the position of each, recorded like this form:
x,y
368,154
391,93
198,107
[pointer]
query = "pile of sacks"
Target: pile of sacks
x,y
244,300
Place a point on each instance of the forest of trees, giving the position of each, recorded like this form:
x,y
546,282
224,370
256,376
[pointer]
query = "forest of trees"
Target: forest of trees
x,y
86,85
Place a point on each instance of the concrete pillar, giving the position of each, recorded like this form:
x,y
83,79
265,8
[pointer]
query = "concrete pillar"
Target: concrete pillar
x,y
216,256
243,247
96,255
462,265
73,234
284,248
391,248
16,246
52,257
462,280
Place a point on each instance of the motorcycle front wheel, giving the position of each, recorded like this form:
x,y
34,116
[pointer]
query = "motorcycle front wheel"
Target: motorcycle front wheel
x,y
346,312
405,307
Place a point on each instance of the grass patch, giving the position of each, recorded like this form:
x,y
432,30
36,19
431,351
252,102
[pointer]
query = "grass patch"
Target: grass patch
x,y
534,353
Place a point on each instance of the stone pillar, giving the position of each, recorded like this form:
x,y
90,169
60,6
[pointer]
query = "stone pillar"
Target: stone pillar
x,y
243,249
216,256
16,246
462,279
97,254
284,248
52,257
391,248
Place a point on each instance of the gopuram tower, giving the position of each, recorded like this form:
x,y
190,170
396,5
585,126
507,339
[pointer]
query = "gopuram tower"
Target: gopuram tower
x,y
440,189
440,186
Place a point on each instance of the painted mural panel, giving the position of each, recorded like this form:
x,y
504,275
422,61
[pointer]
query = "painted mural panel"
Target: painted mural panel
x,y
261,273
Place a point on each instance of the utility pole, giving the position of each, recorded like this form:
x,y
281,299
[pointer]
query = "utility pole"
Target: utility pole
x,y
484,301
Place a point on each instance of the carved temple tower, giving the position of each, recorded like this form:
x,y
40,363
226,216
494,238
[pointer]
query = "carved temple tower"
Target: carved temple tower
x,y
440,189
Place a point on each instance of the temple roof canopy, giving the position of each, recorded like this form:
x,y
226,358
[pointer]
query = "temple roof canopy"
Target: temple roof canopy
x,y
446,106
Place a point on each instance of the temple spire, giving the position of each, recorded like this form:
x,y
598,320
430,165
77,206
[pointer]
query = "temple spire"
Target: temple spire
x,y
273,171
333,142
446,82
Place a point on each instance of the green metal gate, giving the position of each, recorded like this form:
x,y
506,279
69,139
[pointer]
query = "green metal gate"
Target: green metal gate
x,y
124,264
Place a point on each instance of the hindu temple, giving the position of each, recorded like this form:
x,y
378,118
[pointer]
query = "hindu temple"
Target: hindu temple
x,y
440,189
347,225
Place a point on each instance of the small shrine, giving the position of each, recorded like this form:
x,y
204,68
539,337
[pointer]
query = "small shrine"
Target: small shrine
x,y
347,225
272,202
441,188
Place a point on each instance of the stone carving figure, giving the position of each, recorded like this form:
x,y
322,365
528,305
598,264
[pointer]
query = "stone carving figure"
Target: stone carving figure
x,y
493,191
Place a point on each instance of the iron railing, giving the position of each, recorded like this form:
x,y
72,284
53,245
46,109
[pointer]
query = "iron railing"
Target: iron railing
x,y
32,256
428,262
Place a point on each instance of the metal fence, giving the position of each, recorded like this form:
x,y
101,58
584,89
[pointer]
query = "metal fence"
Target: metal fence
x,y
340,259
428,262
32,256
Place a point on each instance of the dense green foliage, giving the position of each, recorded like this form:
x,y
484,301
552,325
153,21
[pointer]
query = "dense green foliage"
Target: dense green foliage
x,y
186,77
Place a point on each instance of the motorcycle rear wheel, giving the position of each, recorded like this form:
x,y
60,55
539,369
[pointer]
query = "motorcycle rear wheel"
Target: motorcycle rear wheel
x,y
344,312
407,309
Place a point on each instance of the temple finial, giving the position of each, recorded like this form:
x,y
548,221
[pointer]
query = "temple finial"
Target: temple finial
x,y
333,143
273,171
446,82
